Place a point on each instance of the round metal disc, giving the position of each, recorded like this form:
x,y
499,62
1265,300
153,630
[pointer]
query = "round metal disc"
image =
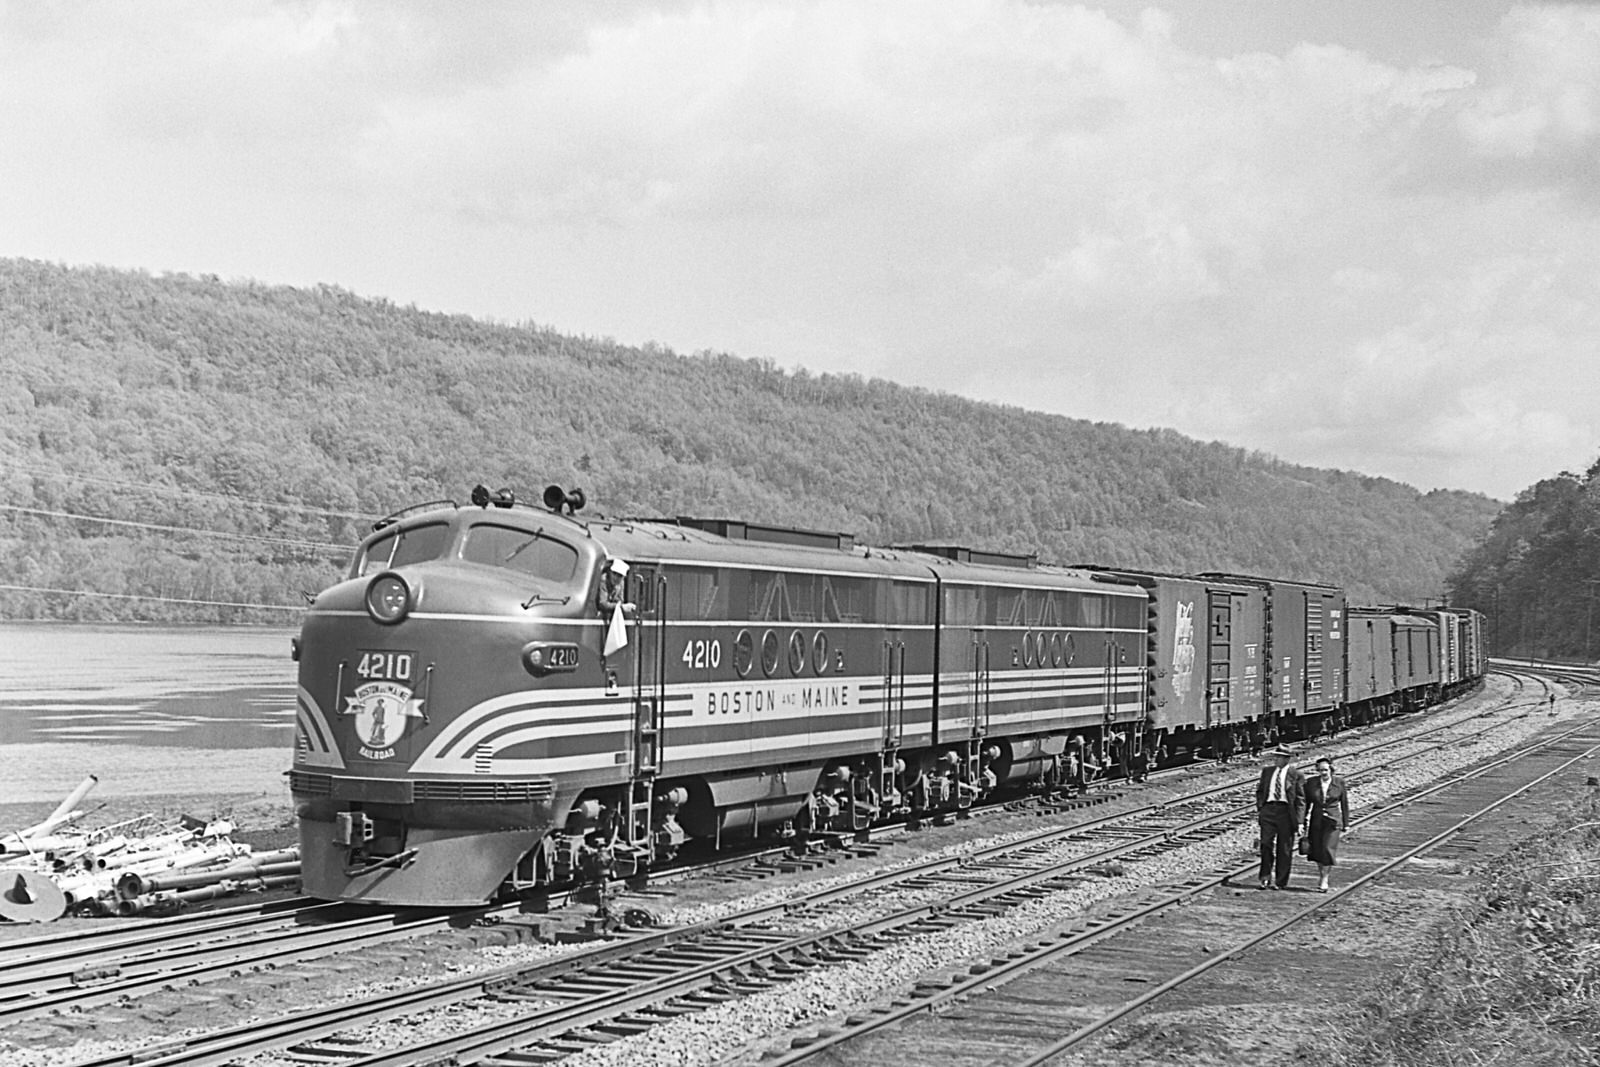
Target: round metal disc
x,y
30,897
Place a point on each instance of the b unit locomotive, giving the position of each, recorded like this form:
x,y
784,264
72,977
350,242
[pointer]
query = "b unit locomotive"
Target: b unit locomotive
x,y
500,697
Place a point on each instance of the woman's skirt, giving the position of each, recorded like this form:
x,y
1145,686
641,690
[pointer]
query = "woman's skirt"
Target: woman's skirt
x,y
1324,838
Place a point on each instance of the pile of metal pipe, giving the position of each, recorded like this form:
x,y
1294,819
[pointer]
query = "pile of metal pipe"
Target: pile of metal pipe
x,y
169,900
131,884
37,837
138,866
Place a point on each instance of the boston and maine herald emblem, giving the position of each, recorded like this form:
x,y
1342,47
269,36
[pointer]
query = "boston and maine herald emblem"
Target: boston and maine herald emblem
x,y
382,710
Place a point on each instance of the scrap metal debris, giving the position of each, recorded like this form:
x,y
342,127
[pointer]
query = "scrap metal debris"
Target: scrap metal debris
x,y
142,865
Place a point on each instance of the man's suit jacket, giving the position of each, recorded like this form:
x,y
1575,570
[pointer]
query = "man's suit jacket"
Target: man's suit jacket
x,y
1322,806
1294,784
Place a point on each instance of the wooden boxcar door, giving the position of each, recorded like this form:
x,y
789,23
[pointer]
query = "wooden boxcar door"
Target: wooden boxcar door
x,y
1369,669
1219,665
1312,697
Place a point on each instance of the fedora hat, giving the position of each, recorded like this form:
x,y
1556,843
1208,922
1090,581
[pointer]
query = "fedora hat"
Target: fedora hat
x,y
1281,750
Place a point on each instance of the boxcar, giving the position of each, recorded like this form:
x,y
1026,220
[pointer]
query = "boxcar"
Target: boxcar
x,y
1370,671
1205,655
1305,650
1416,659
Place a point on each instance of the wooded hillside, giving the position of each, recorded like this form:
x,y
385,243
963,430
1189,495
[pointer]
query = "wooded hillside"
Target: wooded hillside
x,y
135,409
1537,572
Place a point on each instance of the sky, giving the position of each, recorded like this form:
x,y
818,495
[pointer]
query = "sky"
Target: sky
x,y
1361,234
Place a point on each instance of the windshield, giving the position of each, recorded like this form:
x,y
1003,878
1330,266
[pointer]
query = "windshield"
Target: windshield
x,y
400,547
531,552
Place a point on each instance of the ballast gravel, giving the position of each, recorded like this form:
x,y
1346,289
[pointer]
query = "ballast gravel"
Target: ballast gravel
x,y
740,1031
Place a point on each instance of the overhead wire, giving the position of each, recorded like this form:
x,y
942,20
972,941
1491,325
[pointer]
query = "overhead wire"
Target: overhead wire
x,y
197,531
158,599
319,547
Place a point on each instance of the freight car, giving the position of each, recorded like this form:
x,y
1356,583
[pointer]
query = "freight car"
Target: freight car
x,y
499,697
1394,663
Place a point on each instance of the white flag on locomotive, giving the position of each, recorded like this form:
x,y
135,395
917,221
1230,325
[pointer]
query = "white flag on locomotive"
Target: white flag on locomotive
x,y
617,632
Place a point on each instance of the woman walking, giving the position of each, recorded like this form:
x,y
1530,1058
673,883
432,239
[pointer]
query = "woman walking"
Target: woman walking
x,y
1327,817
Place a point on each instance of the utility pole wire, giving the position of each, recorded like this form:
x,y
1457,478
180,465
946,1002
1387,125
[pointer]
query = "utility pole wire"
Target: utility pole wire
x,y
318,545
157,599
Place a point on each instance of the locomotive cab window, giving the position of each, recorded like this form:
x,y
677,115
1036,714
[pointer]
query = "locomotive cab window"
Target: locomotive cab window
x,y
530,552
402,546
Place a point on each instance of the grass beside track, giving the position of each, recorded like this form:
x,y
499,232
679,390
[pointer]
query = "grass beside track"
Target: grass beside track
x,y
1513,980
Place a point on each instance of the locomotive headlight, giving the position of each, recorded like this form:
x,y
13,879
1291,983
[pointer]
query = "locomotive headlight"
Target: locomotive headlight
x,y
388,598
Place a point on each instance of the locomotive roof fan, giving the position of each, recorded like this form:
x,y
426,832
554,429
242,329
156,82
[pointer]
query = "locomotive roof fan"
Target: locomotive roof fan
x,y
500,498
555,498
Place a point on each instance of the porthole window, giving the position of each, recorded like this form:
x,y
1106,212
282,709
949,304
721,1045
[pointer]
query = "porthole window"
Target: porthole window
x,y
770,650
819,653
1040,645
1067,650
797,653
744,652
1056,654
1027,650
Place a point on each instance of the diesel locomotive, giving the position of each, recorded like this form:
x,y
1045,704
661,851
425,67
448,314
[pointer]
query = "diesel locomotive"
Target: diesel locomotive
x,y
499,697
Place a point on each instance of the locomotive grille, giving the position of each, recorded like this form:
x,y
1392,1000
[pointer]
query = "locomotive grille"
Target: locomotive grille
x,y
470,791
475,791
316,785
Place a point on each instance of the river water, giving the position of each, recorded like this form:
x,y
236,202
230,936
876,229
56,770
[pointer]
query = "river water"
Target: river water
x,y
150,709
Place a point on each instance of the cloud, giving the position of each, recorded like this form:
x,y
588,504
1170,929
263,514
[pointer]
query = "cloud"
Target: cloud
x,y
1060,206
1545,96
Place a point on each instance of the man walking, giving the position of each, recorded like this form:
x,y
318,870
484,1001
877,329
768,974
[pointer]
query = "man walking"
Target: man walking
x,y
1279,807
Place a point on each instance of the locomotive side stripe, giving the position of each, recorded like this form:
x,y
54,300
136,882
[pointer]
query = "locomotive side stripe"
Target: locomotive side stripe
x,y
581,717
311,728
574,704
581,709
686,742
800,748
446,616
549,768
515,726
609,752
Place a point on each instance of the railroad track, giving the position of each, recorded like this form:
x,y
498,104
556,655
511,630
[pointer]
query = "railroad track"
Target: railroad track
x,y
533,1013
81,946
1582,676
79,970
83,970
1050,999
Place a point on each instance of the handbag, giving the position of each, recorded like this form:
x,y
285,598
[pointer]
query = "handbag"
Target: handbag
x,y
1305,845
